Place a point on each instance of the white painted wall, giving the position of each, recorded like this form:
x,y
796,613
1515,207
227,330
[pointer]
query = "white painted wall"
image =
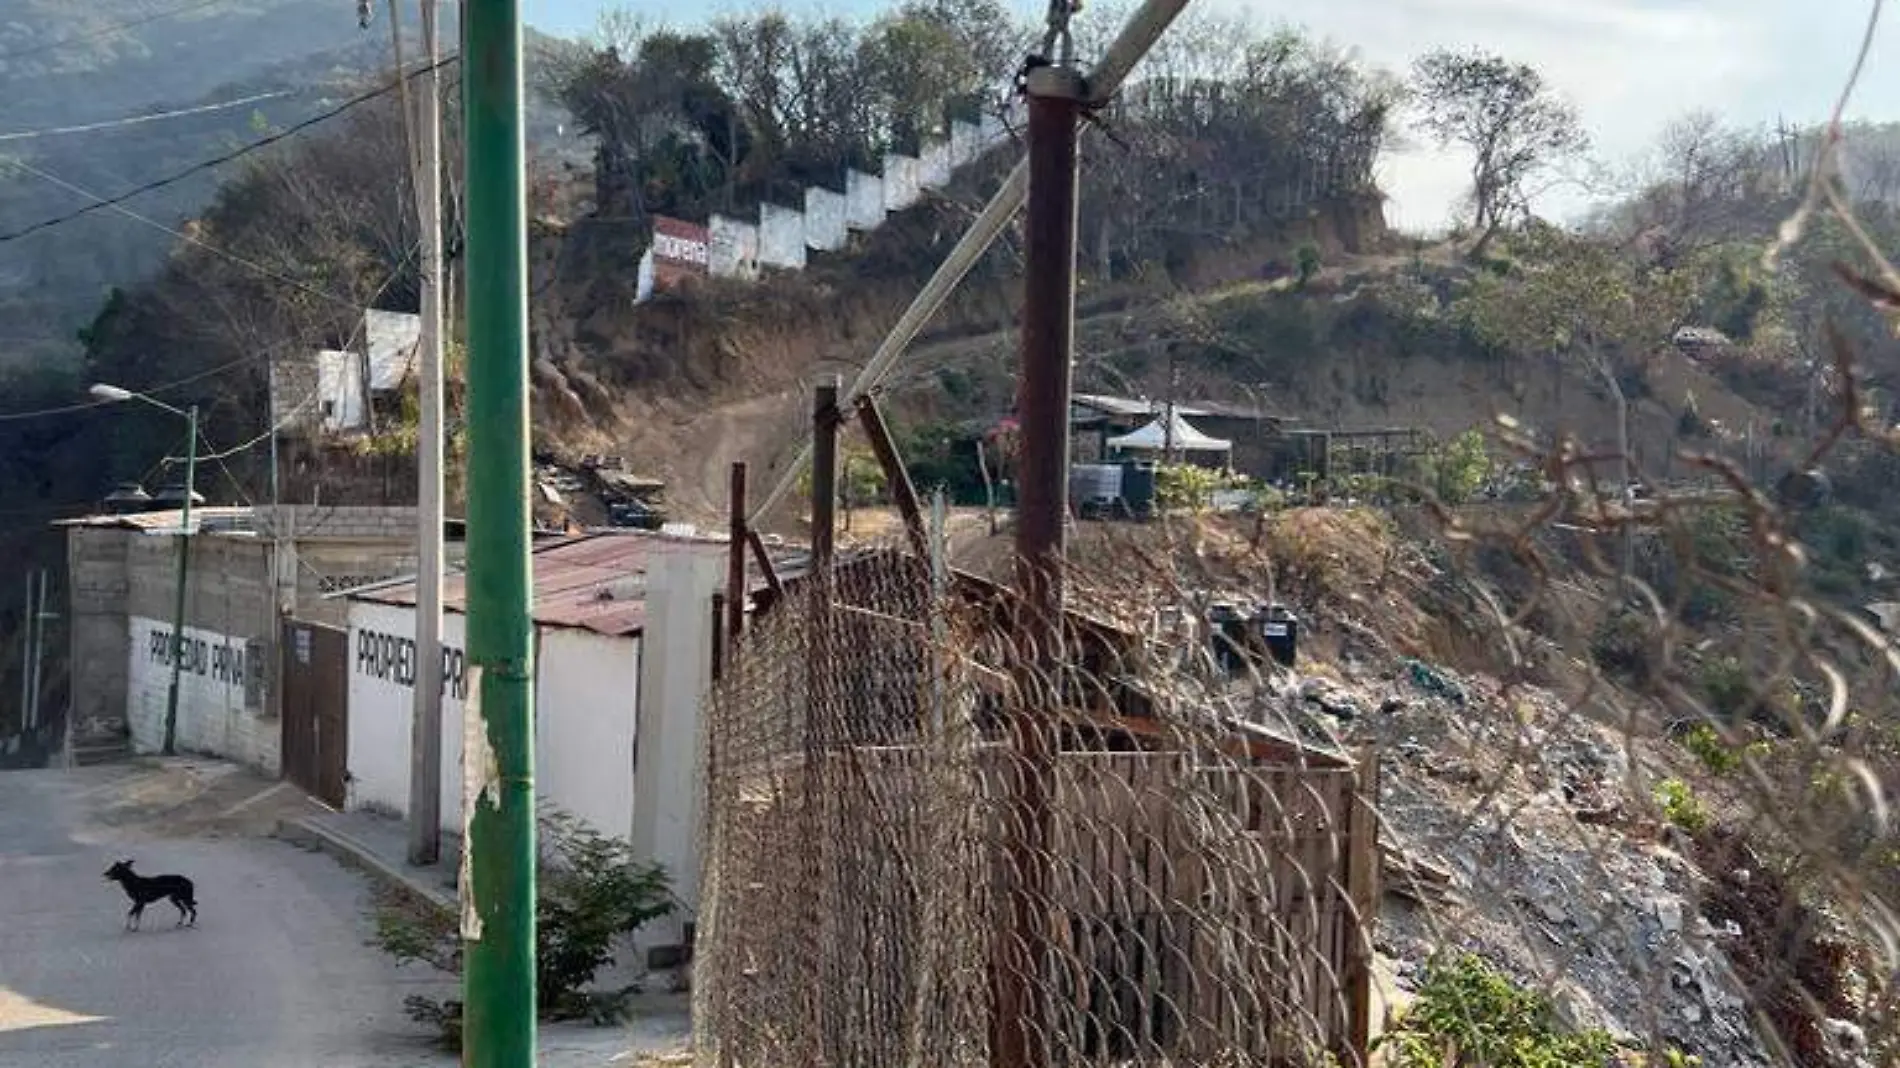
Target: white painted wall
x,y
825,228
586,699
934,166
213,716
781,237
965,143
863,200
900,182
382,672
586,703
677,678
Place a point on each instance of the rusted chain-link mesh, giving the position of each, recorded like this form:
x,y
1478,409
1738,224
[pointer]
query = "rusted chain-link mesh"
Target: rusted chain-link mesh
x,y
1196,883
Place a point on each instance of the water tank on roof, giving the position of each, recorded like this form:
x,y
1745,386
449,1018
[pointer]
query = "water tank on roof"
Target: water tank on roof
x,y
128,499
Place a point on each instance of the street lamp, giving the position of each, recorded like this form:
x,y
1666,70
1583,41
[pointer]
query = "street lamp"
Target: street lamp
x,y
113,394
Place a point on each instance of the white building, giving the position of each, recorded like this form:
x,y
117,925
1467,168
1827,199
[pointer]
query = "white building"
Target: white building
x,y
625,625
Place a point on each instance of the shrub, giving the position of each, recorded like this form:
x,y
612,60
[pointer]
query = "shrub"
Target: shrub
x,y
1455,471
1621,645
1469,1014
1726,685
1308,260
1681,807
590,892
1185,486
1716,755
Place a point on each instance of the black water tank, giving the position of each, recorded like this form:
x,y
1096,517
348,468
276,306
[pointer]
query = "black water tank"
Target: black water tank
x,y
1228,635
1138,487
1281,630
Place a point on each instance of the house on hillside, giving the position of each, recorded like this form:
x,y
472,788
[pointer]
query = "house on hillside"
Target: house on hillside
x,y
339,391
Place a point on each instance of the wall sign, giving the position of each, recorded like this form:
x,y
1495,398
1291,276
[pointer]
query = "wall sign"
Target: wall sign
x,y
392,658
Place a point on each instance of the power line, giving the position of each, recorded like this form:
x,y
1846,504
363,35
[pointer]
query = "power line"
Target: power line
x,y
219,161
106,31
12,417
180,235
135,120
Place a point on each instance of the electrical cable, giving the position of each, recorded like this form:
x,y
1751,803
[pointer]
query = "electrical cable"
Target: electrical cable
x,y
48,46
219,161
187,238
9,417
135,120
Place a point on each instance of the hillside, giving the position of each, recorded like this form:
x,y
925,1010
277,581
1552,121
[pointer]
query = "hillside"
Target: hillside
x,y
65,65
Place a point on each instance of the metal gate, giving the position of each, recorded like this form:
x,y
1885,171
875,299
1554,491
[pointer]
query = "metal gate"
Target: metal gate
x,y
315,679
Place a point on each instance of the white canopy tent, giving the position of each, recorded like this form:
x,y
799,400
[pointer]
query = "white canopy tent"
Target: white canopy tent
x,y
1171,432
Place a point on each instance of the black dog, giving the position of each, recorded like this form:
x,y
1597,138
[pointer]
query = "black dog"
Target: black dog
x,y
143,890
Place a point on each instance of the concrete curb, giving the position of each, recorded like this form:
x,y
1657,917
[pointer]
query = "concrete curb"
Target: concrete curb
x,y
354,853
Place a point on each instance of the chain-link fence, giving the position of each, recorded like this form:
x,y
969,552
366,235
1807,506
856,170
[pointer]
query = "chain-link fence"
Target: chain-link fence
x,y
890,818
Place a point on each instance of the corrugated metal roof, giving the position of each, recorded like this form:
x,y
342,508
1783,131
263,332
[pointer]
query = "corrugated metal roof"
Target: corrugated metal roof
x,y
592,582
207,520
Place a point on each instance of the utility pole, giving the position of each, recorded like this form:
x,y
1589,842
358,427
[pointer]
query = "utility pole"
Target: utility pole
x,y
425,773
184,575
1057,93
498,876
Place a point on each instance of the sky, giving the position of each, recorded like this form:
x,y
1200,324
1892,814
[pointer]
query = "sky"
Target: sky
x,y
1628,66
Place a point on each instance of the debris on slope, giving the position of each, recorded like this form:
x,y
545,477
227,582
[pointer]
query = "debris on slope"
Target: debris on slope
x,y
1509,833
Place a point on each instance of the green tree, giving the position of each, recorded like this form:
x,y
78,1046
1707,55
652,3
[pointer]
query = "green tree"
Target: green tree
x,y
1458,469
1584,302
1509,119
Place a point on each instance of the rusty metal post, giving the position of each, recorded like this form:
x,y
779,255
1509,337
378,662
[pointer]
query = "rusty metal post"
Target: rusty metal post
x,y
735,558
824,727
903,491
824,472
1056,95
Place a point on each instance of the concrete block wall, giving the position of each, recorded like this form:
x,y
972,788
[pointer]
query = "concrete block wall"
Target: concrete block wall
x,y
305,522
97,588
229,593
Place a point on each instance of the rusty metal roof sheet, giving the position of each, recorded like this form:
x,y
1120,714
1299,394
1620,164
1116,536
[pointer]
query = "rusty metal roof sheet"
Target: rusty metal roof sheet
x,y
204,520
592,582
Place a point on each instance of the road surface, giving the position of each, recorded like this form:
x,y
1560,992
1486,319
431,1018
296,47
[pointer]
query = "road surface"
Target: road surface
x,y
275,974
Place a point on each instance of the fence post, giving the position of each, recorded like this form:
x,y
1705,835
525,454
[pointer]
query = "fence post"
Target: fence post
x,y
735,558
1048,334
903,492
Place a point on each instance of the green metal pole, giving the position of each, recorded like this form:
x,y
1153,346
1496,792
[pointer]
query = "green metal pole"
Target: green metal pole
x,y
498,759
184,572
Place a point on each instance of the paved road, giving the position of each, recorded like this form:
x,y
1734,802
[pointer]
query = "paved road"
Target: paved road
x,y
275,975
